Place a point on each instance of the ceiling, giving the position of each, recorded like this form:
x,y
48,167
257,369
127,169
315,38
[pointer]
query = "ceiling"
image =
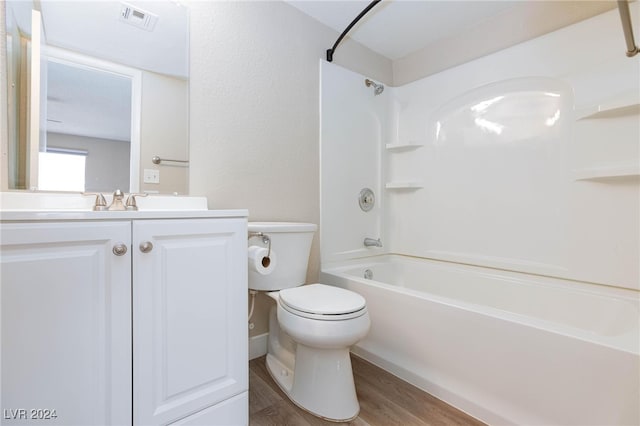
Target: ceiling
x,y
397,28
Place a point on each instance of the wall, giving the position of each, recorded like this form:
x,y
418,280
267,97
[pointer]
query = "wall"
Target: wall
x,y
254,107
164,131
107,162
514,25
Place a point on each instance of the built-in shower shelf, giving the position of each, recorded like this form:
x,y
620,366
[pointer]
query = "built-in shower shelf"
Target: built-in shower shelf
x,y
627,103
623,171
404,185
403,146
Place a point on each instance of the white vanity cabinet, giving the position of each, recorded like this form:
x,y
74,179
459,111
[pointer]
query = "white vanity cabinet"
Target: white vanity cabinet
x,y
132,321
189,318
65,323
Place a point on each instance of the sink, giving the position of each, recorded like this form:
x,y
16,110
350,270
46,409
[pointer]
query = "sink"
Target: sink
x,y
68,201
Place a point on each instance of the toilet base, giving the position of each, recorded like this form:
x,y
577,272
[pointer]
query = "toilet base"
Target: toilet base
x,y
320,383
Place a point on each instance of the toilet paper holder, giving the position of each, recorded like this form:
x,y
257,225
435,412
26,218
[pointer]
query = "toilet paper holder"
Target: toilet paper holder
x,y
265,240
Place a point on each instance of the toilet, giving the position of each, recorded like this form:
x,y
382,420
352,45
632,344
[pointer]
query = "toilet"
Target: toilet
x,y
311,327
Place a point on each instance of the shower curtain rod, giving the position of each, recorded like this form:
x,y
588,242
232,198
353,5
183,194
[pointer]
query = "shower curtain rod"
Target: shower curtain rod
x,y
627,28
623,8
344,33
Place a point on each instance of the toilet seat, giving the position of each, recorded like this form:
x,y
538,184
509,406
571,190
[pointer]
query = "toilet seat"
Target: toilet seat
x,y
322,302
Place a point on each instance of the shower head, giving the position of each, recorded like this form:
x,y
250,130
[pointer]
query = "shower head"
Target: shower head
x,y
377,88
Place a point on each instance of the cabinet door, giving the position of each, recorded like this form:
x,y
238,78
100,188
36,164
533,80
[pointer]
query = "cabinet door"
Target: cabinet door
x,y
189,316
65,324
232,411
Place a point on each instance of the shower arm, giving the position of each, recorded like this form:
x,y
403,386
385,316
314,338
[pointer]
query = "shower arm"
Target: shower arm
x,y
627,28
344,33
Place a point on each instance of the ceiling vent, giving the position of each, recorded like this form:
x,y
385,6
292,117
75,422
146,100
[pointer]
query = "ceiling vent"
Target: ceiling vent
x,y
138,17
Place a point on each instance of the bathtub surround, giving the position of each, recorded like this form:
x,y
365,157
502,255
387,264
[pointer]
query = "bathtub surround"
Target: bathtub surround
x,y
556,195
353,121
524,163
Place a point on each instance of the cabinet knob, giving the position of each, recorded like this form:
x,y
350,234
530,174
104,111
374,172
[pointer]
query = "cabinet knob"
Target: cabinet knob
x,y
120,249
146,246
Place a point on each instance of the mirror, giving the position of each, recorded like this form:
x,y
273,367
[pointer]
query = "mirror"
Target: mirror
x,y
102,92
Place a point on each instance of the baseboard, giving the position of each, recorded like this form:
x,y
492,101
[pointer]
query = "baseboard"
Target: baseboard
x,y
258,345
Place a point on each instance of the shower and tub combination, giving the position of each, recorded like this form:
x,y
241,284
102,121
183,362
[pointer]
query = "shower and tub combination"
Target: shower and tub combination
x,y
504,275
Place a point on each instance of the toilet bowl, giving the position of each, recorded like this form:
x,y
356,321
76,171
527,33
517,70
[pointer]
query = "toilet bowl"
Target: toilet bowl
x,y
311,327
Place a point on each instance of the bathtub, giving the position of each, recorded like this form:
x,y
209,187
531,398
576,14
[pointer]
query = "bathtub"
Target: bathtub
x,y
505,347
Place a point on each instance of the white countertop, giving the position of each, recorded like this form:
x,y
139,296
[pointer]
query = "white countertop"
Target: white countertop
x,y
31,215
18,206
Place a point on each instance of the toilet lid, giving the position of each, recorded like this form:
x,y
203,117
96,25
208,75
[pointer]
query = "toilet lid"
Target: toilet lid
x,y
322,299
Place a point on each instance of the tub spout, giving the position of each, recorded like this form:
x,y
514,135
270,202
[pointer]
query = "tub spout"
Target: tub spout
x,y
370,242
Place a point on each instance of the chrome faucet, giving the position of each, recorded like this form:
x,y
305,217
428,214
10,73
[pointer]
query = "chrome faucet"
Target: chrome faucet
x,y
116,203
370,242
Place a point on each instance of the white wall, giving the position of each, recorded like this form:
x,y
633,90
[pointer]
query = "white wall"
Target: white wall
x,y
254,110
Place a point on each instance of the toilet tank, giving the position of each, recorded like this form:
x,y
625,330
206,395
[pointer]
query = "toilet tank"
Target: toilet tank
x,y
291,243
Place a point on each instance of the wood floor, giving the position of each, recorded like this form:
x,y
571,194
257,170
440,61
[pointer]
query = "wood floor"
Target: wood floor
x,y
384,400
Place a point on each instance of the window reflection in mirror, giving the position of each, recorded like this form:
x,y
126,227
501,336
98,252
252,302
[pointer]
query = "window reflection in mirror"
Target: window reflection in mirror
x,y
115,93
